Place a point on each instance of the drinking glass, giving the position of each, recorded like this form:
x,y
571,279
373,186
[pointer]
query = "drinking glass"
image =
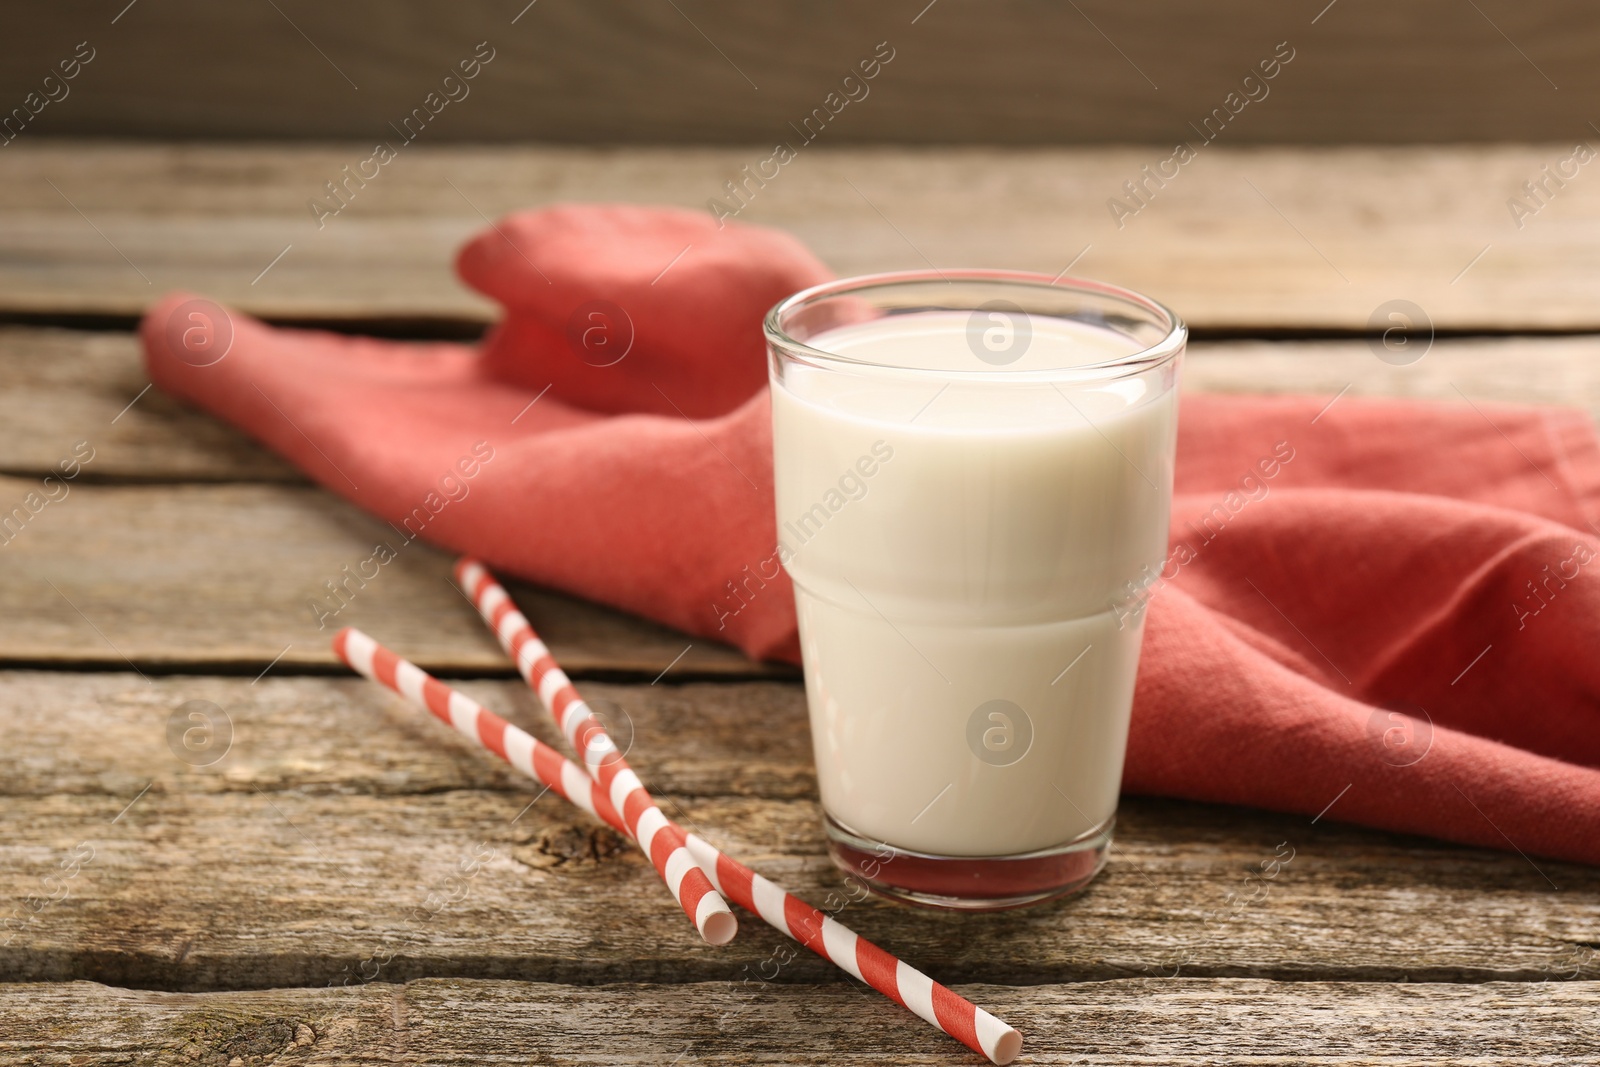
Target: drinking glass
x,y
973,482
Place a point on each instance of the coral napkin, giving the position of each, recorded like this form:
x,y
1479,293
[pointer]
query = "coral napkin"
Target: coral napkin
x,y
1388,610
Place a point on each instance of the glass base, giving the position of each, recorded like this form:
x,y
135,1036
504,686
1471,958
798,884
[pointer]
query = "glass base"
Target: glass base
x,y
969,883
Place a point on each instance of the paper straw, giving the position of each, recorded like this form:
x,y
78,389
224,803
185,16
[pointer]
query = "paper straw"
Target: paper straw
x,y
661,841
785,912
660,838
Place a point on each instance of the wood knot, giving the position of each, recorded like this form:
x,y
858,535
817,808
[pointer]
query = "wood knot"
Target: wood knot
x,y
215,1040
564,846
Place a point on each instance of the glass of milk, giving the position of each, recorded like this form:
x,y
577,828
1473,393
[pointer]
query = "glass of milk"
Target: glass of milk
x,y
974,472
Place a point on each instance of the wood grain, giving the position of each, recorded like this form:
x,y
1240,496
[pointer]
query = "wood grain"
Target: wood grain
x,y
339,735
342,827
1519,370
1005,72
66,386
1241,239
455,1021
223,577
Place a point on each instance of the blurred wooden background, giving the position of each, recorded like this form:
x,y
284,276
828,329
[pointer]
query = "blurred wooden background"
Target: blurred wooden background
x,y
716,71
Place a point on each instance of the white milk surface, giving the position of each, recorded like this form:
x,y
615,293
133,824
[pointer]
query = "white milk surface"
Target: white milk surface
x,y
956,548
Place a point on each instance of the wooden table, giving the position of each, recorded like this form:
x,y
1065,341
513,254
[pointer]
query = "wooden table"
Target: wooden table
x,y
349,883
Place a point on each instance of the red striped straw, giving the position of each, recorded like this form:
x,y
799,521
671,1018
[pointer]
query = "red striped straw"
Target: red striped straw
x,y
785,912
662,840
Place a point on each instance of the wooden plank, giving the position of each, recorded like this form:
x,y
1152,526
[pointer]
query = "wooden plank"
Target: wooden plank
x,y
1006,72
332,735
1522,370
1240,239
223,578
456,1021
343,827
83,1023
64,386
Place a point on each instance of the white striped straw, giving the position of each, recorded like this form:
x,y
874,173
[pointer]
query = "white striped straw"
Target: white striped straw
x,y
785,912
660,838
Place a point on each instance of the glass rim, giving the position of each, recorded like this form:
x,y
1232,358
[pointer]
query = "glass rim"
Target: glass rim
x,y
1146,358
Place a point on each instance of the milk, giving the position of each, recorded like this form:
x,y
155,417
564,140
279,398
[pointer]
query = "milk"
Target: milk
x,y
956,547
